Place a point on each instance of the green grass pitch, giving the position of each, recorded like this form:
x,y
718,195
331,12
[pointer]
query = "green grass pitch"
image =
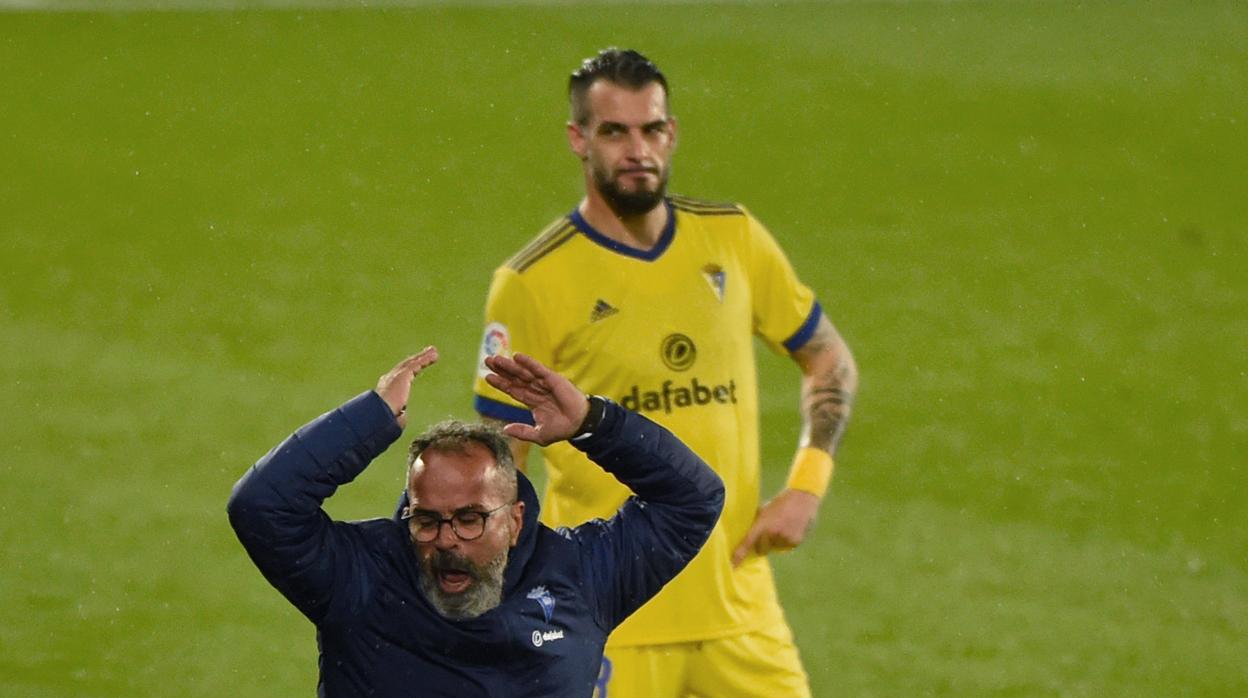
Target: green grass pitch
x,y
1026,217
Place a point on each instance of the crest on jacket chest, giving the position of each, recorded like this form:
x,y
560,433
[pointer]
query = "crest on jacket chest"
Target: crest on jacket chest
x,y
543,599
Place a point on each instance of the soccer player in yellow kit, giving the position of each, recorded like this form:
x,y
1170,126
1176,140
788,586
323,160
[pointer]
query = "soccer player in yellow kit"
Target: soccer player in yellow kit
x,y
653,300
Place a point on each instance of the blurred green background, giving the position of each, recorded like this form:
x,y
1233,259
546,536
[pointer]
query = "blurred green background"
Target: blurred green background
x,y
1027,218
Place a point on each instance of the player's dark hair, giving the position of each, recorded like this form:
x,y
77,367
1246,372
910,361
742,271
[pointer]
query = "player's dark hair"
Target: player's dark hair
x,y
454,436
624,67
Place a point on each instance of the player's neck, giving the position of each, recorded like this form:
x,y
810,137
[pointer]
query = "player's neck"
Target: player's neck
x,y
641,231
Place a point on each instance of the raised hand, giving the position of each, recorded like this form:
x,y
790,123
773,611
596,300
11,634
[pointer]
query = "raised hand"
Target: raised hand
x,y
558,407
396,386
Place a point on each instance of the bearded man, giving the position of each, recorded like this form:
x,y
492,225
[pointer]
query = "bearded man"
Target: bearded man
x,y
656,300
464,593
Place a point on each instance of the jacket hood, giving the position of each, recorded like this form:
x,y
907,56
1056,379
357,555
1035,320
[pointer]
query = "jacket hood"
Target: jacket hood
x,y
523,549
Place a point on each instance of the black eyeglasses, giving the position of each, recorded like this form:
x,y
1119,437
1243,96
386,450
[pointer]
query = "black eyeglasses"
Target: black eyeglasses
x,y
467,525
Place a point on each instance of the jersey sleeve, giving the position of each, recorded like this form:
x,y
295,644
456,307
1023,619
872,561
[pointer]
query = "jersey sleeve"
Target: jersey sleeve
x,y
513,323
785,310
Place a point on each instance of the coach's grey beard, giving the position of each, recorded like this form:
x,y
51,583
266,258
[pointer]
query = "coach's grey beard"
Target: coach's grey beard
x,y
484,593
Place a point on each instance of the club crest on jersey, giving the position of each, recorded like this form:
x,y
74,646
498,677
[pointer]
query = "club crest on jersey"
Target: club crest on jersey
x,y
717,278
543,599
496,342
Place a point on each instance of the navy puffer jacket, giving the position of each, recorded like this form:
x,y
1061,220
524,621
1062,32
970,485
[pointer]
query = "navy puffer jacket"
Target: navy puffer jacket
x,y
565,589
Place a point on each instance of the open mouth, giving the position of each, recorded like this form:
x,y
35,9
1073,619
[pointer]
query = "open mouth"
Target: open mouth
x,y
453,581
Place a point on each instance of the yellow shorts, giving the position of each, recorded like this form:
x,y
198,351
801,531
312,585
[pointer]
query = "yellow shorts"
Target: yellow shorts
x,y
764,664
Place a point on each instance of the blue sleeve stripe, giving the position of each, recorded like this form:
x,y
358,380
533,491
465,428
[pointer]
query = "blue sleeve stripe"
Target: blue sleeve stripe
x,y
806,331
501,410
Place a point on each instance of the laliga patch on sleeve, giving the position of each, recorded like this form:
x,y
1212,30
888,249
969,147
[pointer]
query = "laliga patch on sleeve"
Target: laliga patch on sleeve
x,y
496,341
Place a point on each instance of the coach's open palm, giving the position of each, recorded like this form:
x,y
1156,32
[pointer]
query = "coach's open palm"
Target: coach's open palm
x,y
558,407
396,386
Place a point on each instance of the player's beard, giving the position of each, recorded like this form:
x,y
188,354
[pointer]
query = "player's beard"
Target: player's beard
x,y
485,591
626,204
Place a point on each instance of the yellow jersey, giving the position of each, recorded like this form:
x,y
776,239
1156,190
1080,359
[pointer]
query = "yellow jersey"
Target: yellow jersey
x,y
667,332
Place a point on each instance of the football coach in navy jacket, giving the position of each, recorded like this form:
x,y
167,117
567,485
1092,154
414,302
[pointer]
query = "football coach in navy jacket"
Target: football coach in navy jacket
x,y
464,593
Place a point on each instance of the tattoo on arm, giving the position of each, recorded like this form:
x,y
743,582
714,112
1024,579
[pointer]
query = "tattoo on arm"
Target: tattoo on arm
x,y
826,406
829,384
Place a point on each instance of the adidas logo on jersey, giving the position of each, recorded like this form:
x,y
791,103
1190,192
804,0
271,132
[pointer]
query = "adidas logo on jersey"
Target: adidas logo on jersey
x,y
602,309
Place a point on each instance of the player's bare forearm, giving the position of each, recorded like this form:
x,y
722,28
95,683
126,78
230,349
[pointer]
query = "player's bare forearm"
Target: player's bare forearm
x,y
829,383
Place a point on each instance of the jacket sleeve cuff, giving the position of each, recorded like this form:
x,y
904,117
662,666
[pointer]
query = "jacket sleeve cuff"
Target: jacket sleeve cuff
x,y
612,414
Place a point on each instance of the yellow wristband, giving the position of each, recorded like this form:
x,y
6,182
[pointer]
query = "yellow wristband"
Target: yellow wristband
x,y
811,471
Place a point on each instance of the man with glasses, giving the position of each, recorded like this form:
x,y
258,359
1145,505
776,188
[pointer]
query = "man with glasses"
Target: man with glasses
x,y
465,593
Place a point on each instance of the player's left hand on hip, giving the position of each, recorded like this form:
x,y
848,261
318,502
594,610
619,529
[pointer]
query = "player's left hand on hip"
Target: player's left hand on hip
x,y
781,524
